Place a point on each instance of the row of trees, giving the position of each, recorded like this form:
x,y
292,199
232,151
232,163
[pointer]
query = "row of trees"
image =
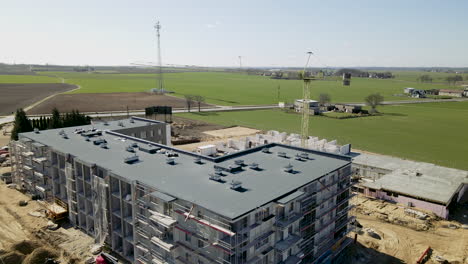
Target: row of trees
x,y
191,100
57,120
451,80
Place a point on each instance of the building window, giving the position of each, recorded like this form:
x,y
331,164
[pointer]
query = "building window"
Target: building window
x,y
159,131
200,244
291,207
200,261
151,133
290,230
188,238
133,134
143,134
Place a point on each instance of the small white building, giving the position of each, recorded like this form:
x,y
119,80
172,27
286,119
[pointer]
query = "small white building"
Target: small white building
x,y
313,106
408,90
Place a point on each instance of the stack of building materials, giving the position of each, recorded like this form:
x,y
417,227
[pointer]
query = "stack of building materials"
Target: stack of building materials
x,y
292,139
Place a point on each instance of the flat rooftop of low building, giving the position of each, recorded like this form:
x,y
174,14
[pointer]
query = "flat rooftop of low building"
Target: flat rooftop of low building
x,y
190,181
417,179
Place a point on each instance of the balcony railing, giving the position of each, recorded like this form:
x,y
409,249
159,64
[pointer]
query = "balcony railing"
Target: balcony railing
x,y
285,221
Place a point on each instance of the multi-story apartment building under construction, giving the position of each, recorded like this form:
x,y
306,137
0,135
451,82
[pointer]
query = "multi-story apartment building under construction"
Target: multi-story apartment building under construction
x,y
152,203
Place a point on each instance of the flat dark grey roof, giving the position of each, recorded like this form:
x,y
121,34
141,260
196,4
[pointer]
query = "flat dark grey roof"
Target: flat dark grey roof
x,y
190,181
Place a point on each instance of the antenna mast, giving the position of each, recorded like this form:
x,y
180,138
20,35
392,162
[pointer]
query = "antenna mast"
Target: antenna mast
x,y
157,26
240,62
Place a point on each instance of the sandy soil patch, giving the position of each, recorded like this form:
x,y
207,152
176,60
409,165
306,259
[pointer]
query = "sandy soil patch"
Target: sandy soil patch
x,y
403,243
17,225
232,132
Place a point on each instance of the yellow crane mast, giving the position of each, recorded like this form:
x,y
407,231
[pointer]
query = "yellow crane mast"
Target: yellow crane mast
x,y
305,104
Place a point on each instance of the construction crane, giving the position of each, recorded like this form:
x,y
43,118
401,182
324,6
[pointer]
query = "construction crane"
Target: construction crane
x,y
305,103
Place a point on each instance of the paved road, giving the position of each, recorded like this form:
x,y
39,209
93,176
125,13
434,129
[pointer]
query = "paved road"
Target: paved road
x,y
8,119
421,101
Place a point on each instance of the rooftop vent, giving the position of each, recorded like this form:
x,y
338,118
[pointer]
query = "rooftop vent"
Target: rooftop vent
x,y
170,161
239,162
134,145
132,121
87,139
215,177
172,154
64,135
304,155
36,130
106,123
254,166
266,150
61,132
99,141
120,123
131,159
234,168
288,168
282,154
236,185
149,149
104,145
198,160
130,149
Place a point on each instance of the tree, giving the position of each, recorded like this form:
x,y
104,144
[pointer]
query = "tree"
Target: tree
x,y
324,99
55,121
22,124
199,99
425,78
373,100
454,79
189,100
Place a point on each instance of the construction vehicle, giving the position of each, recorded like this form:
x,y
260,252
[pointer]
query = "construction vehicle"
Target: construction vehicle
x,y
56,210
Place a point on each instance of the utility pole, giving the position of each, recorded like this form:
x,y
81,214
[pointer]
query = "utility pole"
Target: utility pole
x,y
157,26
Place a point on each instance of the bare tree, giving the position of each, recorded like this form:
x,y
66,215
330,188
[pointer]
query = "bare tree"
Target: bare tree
x,y
189,100
199,99
324,99
373,101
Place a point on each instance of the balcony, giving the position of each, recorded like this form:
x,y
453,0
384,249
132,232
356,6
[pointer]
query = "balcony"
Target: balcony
x,y
291,260
285,221
165,244
287,243
161,219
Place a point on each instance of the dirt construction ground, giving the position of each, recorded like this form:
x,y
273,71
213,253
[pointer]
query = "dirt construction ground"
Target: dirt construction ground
x,y
23,233
19,95
106,102
403,238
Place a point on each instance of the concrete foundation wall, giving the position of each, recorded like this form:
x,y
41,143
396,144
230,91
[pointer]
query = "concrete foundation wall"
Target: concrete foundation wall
x,y
439,210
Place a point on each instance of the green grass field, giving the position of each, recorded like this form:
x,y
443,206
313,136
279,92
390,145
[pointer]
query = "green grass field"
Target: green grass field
x,y
435,132
28,79
239,89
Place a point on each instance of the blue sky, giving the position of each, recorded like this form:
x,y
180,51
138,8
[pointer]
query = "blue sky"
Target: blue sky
x,y
214,33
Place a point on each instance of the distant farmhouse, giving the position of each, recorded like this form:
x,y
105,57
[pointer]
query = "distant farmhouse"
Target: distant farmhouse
x,y
453,93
